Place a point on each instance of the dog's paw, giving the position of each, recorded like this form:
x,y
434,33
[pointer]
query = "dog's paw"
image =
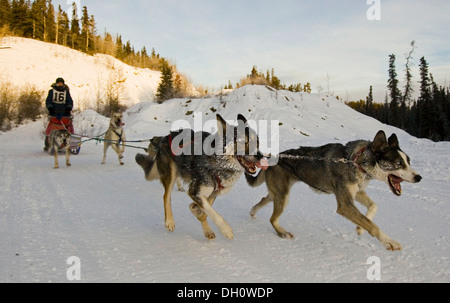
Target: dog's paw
x,y
253,212
227,231
170,225
210,235
286,235
68,164
360,231
56,167
392,245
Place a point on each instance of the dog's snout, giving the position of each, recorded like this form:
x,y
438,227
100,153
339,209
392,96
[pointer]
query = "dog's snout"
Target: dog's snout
x,y
418,178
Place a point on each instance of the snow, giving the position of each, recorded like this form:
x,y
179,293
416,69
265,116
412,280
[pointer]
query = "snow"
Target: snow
x,y
113,220
29,63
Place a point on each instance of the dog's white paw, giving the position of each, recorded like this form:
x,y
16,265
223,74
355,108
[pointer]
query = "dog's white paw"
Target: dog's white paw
x,y
227,231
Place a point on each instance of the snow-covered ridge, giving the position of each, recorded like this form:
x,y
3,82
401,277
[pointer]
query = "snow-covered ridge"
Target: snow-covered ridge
x,y
28,62
304,119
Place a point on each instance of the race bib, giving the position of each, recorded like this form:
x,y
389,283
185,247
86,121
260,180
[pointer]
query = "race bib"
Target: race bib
x,y
59,97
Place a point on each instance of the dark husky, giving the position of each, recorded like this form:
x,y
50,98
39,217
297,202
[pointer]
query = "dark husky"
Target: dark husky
x,y
208,175
344,171
59,140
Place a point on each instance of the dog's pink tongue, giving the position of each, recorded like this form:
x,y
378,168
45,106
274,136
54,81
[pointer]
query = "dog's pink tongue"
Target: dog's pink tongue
x,y
263,164
122,124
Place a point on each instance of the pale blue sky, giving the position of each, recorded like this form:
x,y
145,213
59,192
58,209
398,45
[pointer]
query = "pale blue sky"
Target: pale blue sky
x,y
214,41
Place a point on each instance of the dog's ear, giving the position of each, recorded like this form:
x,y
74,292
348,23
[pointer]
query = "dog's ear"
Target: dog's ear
x,y
221,124
380,143
393,142
242,119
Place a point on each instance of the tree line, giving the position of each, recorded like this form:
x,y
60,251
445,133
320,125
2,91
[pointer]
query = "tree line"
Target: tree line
x,y
39,19
269,78
425,117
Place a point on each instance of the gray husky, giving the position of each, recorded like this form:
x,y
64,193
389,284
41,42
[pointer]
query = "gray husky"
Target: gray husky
x,y
59,140
207,175
344,171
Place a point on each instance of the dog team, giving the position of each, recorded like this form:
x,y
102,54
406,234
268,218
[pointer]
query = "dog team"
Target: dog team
x,y
343,171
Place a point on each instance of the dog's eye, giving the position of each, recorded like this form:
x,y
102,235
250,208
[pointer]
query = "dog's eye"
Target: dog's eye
x,y
399,163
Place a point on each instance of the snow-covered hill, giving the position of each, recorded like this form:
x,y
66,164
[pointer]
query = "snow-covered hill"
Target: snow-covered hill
x,y
27,62
113,220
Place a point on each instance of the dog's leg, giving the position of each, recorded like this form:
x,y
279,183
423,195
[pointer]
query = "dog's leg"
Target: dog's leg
x,y
118,152
68,156
168,179
105,149
266,200
279,192
201,216
280,202
55,154
372,208
123,144
346,208
198,194
180,186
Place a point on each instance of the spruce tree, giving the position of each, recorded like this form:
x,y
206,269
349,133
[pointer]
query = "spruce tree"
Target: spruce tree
x,y
50,24
394,115
369,103
75,28
165,89
38,18
5,13
87,31
21,19
425,106
120,54
64,28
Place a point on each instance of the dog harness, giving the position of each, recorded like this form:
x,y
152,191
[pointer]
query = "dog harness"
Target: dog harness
x,y
219,185
120,137
356,157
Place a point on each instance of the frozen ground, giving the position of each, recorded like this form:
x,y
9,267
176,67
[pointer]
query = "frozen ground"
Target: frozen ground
x,y
113,220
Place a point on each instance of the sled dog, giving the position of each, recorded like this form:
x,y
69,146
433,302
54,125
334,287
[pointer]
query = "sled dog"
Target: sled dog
x,y
114,137
59,140
207,175
344,171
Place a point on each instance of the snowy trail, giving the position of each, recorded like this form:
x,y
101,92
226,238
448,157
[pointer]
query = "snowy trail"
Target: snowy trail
x,y
113,220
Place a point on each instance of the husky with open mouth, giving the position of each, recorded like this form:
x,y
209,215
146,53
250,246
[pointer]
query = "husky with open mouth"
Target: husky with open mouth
x,y
115,137
207,175
344,171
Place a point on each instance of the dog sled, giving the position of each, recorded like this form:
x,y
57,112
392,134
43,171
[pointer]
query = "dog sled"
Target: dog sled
x,y
64,124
